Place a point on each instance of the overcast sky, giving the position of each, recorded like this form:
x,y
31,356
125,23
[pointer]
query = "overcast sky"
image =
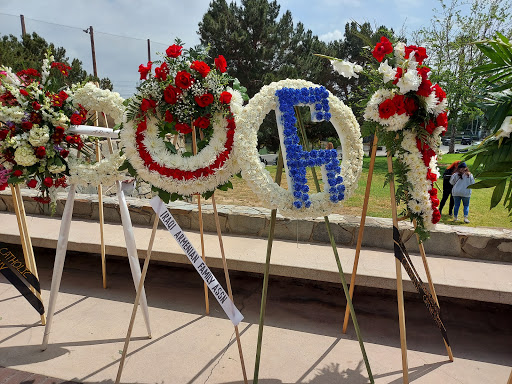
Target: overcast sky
x,y
122,27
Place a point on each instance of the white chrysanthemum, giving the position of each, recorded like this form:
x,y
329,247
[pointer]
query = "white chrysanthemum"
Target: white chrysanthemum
x,y
387,71
39,135
346,68
410,81
24,156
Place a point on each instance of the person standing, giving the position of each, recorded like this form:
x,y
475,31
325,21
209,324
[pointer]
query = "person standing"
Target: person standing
x,y
447,187
461,180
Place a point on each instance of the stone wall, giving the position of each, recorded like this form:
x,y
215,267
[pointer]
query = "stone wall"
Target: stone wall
x,y
446,240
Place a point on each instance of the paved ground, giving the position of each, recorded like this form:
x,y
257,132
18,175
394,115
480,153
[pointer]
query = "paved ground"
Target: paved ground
x,y
302,339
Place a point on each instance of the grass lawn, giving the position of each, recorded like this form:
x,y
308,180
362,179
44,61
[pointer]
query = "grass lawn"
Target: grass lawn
x,y
379,205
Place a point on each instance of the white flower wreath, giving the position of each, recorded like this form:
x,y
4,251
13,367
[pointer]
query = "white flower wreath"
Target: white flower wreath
x,y
259,178
159,154
106,170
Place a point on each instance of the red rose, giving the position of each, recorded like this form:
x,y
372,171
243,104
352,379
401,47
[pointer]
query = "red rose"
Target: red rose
x,y
201,67
48,181
162,71
202,122
436,216
144,70
425,88
399,101
3,133
36,106
221,64
440,93
420,53
171,94
435,202
75,119
433,192
26,125
183,80
23,92
17,173
32,183
431,176
40,152
431,126
147,104
183,128
174,50
387,109
169,117
410,106
442,120
382,49
64,153
60,130
423,72
204,100
225,97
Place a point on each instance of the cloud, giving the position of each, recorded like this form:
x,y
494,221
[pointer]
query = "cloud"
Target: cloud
x,y
332,35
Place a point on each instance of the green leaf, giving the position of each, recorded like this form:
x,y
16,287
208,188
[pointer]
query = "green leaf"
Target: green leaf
x,y
187,154
176,196
206,195
487,183
497,194
170,147
227,185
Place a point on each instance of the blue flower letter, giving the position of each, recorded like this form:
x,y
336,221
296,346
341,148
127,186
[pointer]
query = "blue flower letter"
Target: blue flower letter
x,y
296,158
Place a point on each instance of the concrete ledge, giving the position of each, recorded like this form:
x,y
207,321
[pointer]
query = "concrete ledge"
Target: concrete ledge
x,y
492,244
453,277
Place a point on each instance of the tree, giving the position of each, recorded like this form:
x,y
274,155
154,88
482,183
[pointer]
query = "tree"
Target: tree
x,y
449,42
29,53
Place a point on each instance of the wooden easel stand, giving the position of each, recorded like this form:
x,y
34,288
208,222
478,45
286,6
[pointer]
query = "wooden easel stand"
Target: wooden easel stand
x,y
26,242
200,215
336,256
399,283
266,274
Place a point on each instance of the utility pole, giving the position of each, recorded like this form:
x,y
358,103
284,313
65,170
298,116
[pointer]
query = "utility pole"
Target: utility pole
x,y
149,50
90,31
23,30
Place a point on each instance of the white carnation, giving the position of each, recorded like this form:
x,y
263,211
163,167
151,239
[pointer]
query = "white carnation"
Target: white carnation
x,y
387,71
346,68
410,81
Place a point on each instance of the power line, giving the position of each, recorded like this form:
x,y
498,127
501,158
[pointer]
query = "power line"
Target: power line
x,y
78,28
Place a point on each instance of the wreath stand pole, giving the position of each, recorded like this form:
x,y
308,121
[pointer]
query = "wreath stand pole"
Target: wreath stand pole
x,y
201,232
336,256
140,289
279,171
26,242
361,230
102,221
431,285
399,283
228,284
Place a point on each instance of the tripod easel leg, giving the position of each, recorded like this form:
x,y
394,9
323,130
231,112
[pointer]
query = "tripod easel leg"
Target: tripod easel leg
x,y
361,230
140,289
60,256
399,283
228,284
26,242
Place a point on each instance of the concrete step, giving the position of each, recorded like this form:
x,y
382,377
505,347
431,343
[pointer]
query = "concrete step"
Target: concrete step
x,y
487,281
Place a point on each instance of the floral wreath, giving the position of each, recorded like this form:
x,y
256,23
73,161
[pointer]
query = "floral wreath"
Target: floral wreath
x,y
410,114
36,112
184,93
105,171
260,180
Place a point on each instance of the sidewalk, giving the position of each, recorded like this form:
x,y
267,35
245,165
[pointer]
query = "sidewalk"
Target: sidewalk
x,y
302,340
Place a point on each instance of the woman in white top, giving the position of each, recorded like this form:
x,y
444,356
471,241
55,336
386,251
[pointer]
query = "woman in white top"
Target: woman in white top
x,y
461,180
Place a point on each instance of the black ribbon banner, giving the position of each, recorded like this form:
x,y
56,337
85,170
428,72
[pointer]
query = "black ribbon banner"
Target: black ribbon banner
x,y
20,276
403,256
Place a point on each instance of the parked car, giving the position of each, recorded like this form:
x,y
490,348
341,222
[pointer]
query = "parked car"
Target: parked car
x,y
466,141
445,141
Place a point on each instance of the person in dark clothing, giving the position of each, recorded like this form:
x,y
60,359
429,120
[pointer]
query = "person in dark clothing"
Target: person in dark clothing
x,y
447,187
